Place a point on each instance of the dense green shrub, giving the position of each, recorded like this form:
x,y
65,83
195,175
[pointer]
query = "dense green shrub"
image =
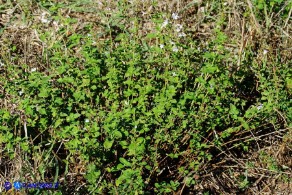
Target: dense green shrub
x,y
145,113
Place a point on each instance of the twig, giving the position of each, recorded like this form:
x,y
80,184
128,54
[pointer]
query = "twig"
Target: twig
x,y
248,137
25,129
281,116
289,15
253,16
181,192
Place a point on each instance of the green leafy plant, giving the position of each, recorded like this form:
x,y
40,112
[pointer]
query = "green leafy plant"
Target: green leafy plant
x,y
133,100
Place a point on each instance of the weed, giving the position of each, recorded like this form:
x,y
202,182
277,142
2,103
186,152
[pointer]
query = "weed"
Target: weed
x,y
139,97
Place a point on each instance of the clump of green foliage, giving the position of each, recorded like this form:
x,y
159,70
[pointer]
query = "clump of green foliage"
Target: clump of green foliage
x,y
143,112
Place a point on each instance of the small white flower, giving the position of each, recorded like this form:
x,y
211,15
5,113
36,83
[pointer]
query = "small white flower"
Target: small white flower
x,y
202,9
20,92
178,27
87,120
1,64
135,126
175,16
144,13
126,103
43,19
181,34
173,74
265,52
56,25
171,42
33,70
161,46
164,24
89,35
260,106
175,49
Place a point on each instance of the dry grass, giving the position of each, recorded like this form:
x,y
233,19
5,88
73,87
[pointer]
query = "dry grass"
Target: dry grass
x,y
21,25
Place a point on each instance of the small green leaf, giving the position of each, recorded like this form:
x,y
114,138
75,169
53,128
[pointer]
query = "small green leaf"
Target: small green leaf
x,y
120,166
245,125
108,144
85,82
151,35
140,140
125,162
118,182
58,122
118,134
233,110
43,93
